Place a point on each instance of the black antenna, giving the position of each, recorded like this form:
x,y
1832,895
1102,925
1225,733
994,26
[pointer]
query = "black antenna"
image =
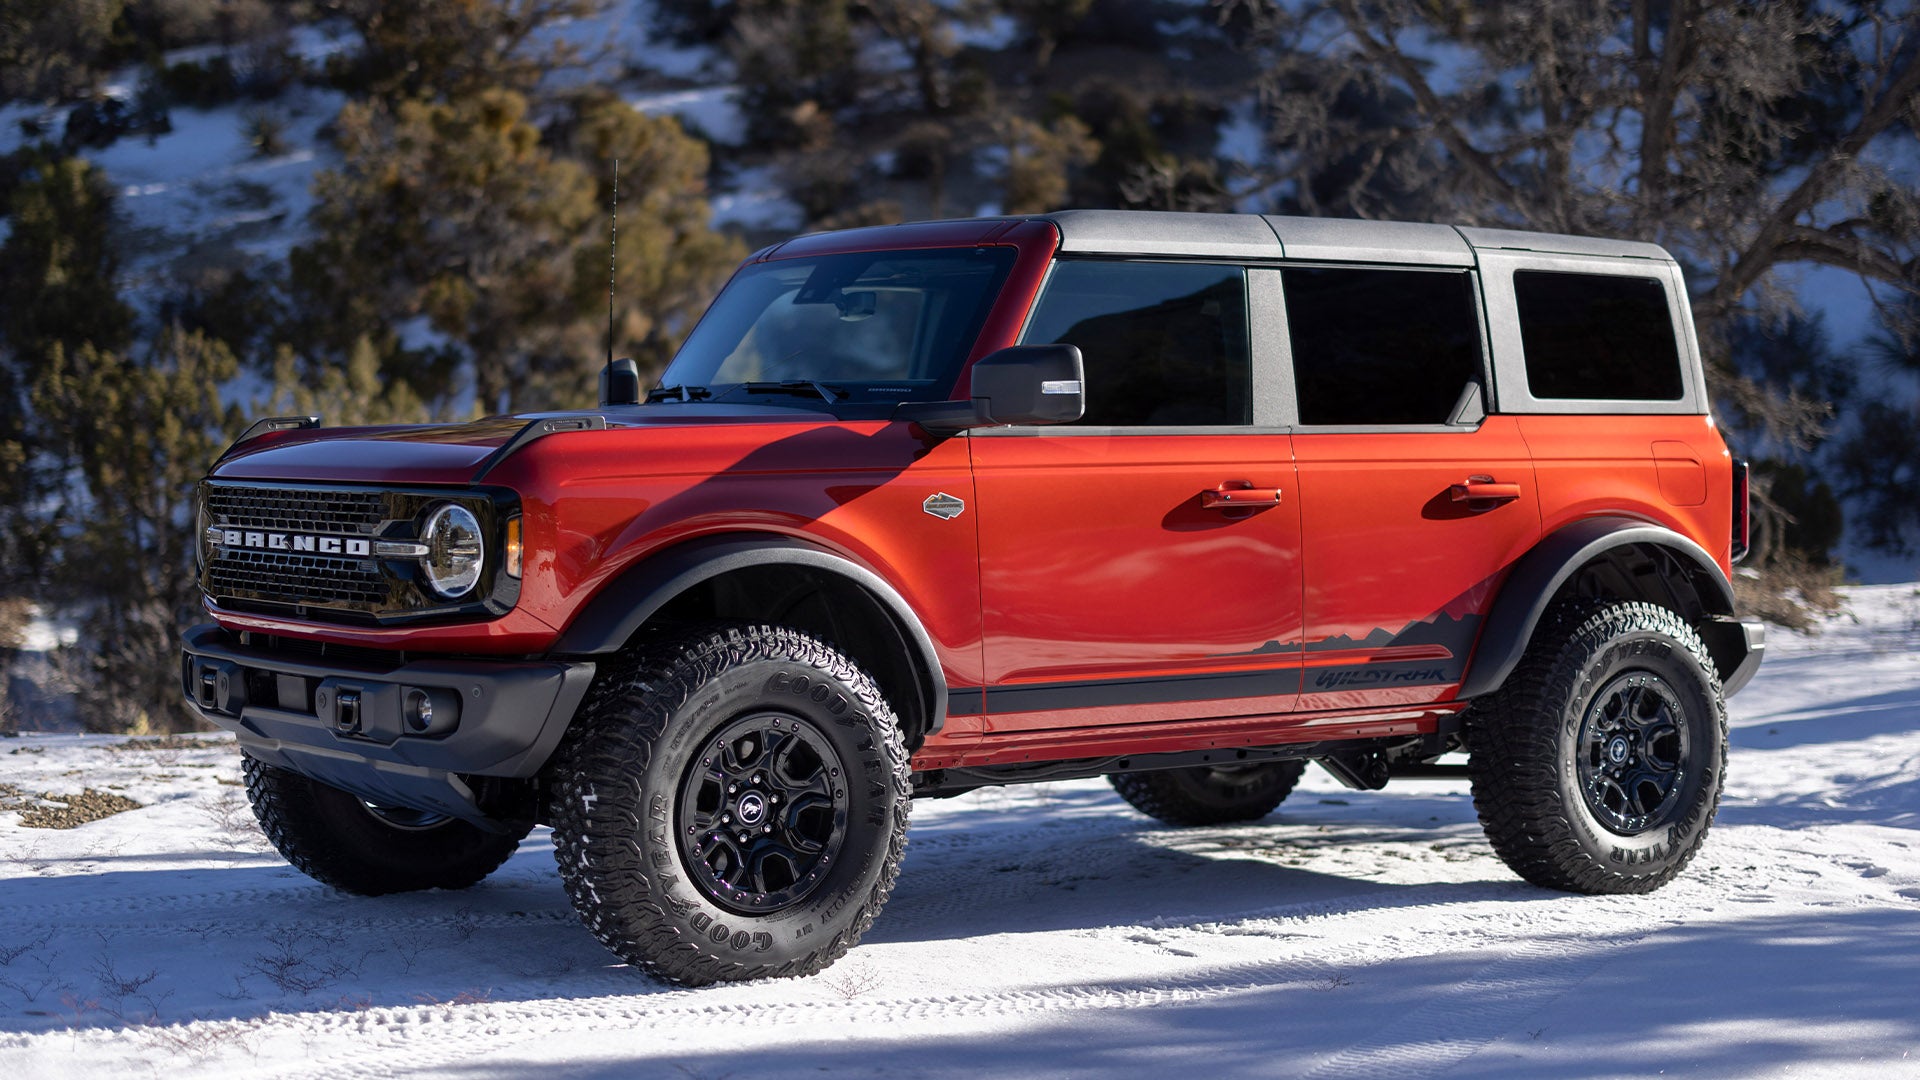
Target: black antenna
x,y
619,382
613,257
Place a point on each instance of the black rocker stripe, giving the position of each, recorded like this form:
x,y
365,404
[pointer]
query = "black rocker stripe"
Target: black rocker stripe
x,y
1094,693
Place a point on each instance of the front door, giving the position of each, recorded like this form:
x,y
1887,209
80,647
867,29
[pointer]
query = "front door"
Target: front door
x,y
1143,563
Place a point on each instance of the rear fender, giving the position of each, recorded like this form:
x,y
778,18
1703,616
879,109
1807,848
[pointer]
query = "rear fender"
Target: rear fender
x,y
1625,557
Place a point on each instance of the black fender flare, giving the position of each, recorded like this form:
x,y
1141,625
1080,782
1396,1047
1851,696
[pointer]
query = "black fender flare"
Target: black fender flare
x,y
1538,575
624,604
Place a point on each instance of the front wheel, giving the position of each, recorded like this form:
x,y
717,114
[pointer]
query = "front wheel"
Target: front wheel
x,y
339,839
731,805
1597,768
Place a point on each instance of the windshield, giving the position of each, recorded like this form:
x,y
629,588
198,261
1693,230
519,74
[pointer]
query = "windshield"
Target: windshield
x,y
863,327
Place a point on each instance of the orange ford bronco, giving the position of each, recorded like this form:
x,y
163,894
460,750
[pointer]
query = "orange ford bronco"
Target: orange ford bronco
x,y
1183,500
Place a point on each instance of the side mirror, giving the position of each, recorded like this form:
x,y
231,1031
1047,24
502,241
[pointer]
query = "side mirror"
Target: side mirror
x,y
620,382
1020,384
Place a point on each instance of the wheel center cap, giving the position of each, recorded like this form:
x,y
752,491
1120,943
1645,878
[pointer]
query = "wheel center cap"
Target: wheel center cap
x,y
1617,750
752,808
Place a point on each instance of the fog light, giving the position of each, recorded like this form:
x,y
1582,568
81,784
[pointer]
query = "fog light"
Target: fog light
x,y
417,709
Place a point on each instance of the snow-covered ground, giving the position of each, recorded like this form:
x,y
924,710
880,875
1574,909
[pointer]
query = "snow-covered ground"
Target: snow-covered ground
x,y
1040,931
1036,931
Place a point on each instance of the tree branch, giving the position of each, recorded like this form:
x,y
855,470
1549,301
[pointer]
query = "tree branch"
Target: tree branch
x,y
1780,227
1429,102
1659,80
1848,253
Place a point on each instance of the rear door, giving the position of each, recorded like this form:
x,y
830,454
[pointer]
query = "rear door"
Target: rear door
x,y
1143,563
1413,501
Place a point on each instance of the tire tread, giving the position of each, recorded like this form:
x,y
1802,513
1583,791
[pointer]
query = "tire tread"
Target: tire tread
x,y
1514,735
294,813
624,717
1165,796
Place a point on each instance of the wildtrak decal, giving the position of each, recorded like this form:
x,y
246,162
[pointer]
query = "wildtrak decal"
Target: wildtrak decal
x,y
1349,678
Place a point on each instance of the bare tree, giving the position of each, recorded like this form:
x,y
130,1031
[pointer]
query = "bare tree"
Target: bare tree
x,y
1743,136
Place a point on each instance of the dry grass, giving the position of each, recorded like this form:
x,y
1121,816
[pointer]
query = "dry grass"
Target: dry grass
x,y
1790,593
175,742
50,810
851,980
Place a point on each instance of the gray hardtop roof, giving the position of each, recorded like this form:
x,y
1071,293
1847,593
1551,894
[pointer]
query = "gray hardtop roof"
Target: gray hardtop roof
x,y
1238,236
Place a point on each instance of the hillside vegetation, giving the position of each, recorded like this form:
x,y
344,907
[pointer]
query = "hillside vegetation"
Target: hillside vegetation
x,y
385,211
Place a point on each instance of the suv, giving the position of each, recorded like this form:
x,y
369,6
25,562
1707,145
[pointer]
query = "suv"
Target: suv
x,y
1184,500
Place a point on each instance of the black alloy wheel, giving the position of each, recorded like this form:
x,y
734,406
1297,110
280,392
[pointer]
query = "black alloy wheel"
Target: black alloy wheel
x,y
763,813
1632,744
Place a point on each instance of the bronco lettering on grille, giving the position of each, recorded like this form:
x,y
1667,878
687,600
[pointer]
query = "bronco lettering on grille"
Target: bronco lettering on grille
x,y
295,542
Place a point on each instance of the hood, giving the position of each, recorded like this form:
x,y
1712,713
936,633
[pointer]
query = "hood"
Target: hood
x,y
458,454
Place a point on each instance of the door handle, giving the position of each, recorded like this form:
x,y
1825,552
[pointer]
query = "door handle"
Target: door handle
x,y
1239,495
1483,489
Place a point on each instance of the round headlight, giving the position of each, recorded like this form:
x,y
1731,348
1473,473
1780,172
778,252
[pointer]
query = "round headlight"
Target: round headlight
x,y
454,551
202,533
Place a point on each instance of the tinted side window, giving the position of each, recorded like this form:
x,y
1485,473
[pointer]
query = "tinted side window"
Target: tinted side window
x,y
1165,344
1381,346
1589,336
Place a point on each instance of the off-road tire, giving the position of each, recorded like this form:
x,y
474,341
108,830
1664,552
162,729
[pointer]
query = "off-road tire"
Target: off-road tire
x,y
1556,720
633,777
1209,794
335,838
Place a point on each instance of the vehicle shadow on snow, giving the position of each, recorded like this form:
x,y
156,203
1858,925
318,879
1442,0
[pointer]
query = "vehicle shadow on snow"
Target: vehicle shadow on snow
x,y
1736,998
1893,713
118,948
1131,872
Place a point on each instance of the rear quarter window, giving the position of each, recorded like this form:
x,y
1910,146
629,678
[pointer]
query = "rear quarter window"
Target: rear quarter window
x,y
1602,337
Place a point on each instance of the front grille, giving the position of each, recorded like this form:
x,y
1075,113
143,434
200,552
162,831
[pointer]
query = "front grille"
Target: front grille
x,y
311,551
249,576
297,579
304,510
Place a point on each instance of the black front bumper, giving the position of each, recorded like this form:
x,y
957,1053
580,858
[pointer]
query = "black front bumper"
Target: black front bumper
x,y
348,723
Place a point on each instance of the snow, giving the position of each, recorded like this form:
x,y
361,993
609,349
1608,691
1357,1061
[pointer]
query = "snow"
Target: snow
x,y
713,111
755,202
316,43
1036,931
200,189
622,35
43,634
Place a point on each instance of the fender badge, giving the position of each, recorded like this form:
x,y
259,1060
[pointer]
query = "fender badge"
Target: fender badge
x,y
943,506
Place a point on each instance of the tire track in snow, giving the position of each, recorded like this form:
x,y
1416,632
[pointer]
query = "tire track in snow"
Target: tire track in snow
x,y
1463,1021
1453,1026
67,911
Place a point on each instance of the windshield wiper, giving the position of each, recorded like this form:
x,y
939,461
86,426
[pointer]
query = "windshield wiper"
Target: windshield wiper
x,y
678,393
827,391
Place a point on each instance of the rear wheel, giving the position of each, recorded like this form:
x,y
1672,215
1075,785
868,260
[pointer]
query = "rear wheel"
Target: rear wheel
x,y
1597,768
340,839
731,805
1210,794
